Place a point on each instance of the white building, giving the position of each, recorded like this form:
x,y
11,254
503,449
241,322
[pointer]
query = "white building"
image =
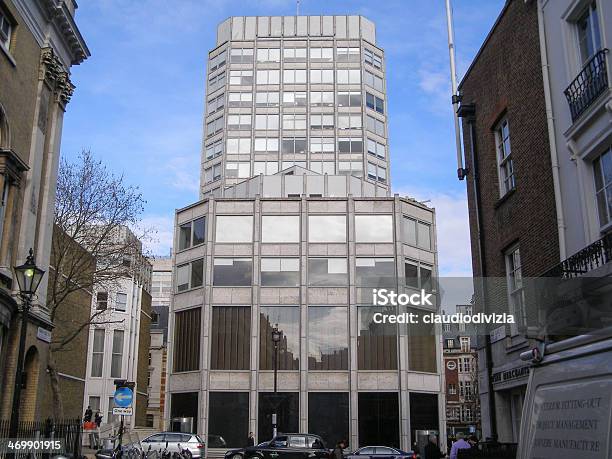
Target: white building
x,y
116,339
577,36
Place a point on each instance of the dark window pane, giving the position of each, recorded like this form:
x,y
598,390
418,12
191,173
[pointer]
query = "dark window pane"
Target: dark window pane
x,y
232,272
184,405
288,320
333,426
230,338
228,415
376,343
379,418
199,231
426,281
185,236
187,340
287,407
412,275
370,100
423,412
197,273
327,338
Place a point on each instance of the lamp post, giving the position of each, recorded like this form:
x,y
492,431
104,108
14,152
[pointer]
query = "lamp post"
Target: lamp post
x,y
276,337
28,277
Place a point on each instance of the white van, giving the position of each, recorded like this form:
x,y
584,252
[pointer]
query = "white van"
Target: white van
x,y
567,411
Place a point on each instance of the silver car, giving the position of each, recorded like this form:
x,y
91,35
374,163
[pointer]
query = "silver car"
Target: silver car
x,y
174,442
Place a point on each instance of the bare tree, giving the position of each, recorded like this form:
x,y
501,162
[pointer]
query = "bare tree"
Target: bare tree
x,y
90,250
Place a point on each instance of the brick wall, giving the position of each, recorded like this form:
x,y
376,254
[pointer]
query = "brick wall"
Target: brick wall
x,y
506,80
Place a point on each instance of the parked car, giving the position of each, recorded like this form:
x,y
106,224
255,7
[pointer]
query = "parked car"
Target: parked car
x,y
381,452
172,440
284,446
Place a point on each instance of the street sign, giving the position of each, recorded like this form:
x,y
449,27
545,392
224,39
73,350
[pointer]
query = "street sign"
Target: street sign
x,y
123,397
122,411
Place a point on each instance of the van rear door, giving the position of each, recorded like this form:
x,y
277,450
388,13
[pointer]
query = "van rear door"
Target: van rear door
x,y
568,406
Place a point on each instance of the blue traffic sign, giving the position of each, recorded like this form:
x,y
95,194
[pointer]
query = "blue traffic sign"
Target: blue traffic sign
x,y
123,397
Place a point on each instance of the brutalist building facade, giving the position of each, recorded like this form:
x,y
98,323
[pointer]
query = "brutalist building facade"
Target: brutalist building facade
x,y
295,226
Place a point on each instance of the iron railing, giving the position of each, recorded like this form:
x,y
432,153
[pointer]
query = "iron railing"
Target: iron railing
x,y
591,257
68,430
588,85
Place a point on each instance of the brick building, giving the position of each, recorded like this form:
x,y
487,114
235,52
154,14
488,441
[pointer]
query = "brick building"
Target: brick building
x,y
535,108
70,360
460,358
513,221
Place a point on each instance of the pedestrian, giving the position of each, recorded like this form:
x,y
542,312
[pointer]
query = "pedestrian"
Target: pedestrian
x,y
88,414
459,444
432,450
338,450
251,439
473,441
98,419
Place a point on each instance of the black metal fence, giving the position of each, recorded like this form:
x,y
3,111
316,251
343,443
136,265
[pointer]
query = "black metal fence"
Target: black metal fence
x,y
70,431
591,257
588,85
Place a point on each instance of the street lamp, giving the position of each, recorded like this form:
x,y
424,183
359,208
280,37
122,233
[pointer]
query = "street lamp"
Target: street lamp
x,y
276,338
28,277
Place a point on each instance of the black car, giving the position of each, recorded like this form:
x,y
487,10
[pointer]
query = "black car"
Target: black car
x,y
284,446
380,452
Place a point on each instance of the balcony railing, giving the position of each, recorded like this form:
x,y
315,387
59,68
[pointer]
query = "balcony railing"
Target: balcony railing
x,y
588,85
591,257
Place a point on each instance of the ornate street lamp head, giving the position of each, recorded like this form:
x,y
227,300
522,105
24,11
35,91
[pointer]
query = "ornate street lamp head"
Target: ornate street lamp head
x,y
28,276
276,334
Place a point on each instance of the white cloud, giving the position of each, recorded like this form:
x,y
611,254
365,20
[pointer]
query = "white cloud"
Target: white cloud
x,y
453,232
162,227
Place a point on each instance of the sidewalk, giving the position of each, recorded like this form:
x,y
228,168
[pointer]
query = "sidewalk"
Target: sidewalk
x,y
88,452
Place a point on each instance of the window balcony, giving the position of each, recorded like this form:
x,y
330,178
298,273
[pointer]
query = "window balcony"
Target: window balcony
x,y
590,83
588,259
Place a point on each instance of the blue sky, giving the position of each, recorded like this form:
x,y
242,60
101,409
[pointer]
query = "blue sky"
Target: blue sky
x,y
139,100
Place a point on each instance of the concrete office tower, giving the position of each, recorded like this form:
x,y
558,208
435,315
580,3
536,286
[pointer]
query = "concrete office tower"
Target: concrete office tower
x,y
294,228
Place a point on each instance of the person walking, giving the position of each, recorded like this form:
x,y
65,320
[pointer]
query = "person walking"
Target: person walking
x,y
251,439
459,444
338,453
432,450
88,414
98,419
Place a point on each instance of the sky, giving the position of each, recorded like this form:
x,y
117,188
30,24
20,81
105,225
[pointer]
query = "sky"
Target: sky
x,y
139,99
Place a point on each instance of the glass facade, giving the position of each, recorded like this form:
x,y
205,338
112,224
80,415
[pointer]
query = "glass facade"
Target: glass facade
x,y
286,405
287,319
185,405
228,414
333,425
379,420
376,343
230,338
328,338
